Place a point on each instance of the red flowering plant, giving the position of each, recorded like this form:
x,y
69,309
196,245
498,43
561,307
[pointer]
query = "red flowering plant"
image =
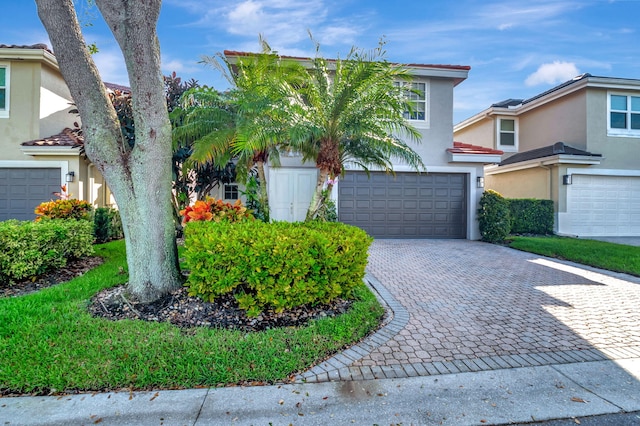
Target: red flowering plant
x,y
63,208
216,211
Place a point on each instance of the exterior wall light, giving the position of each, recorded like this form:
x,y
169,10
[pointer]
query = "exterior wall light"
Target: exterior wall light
x,y
566,179
480,182
69,176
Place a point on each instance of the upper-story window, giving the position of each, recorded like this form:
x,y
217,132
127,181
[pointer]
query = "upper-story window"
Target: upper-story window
x,y
624,115
507,134
416,93
4,90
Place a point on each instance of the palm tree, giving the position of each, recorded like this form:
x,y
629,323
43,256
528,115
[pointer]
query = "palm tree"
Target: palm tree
x,y
244,123
350,111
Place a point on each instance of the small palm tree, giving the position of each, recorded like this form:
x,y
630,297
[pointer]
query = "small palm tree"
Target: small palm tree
x,y
246,125
350,111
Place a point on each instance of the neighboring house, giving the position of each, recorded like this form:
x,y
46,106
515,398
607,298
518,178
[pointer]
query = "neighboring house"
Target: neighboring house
x,y
39,141
440,203
577,144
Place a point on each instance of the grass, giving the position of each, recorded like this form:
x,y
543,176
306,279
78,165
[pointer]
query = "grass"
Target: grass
x,y
599,254
49,343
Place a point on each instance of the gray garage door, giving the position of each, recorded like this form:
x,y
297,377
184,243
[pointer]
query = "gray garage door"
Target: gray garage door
x,y
21,190
409,205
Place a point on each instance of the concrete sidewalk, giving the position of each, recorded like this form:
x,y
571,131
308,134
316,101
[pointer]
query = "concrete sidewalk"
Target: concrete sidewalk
x,y
495,397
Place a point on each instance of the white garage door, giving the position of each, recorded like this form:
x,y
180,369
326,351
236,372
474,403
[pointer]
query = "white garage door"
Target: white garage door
x,y
22,189
604,205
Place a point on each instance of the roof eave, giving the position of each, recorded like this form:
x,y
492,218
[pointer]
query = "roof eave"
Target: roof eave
x,y
50,150
586,160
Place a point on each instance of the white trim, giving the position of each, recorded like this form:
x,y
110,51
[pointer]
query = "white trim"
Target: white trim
x,y
5,112
50,150
603,172
426,123
474,158
544,161
63,165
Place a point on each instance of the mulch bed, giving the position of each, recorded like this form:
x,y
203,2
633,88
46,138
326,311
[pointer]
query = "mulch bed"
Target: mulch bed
x,y
178,307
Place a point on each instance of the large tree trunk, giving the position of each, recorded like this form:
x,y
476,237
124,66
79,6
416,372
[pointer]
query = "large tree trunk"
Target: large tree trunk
x,y
139,177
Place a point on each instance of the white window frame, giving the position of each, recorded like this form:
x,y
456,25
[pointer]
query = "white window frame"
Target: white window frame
x,y
4,112
419,123
231,190
628,132
507,148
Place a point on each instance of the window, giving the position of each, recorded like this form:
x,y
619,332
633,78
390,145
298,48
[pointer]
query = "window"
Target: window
x,y
230,191
507,134
416,93
624,115
4,90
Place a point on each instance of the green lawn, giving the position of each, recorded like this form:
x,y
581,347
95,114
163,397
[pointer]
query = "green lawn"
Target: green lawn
x,y
599,254
49,343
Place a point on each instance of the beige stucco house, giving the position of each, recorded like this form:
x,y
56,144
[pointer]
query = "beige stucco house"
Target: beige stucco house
x,y
440,203
39,148
577,144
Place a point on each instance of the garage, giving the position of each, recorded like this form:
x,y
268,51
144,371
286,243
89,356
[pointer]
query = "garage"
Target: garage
x,y
22,189
407,205
604,205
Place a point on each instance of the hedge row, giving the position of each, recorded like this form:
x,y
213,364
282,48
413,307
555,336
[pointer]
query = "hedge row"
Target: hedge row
x,y
498,216
274,266
28,249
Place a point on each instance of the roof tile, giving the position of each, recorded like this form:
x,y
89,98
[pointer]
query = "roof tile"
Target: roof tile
x,y
467,148
68,137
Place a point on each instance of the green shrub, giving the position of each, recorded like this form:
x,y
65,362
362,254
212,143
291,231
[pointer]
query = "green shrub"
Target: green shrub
x,y
107,225
494,217
28,249
531,216
274,266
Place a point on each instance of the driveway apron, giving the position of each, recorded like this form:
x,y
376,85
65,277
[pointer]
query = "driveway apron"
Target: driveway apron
x,y
462,305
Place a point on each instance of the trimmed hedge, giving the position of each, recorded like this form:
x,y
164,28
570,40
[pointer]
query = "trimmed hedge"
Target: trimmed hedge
x,y
274,265
494,217
531,216
28,249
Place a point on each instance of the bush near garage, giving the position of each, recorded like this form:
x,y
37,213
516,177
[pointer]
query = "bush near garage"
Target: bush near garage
x,y
494,217
274,266
107,225
531,216
29,249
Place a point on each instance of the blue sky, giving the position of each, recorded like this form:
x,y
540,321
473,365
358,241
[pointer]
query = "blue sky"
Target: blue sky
x,y
515,48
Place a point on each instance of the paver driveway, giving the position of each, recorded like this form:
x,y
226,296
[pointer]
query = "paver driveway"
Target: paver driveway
x,y
466,306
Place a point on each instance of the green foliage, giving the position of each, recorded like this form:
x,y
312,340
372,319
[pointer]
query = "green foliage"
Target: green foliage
x,y
599,254
64,209
107,225
28,249
50,342
531,216
275,266
327,211
254,203
494,217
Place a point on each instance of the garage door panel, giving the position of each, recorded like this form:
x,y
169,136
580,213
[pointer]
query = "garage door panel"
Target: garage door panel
x,y
22,189
409,205
603,205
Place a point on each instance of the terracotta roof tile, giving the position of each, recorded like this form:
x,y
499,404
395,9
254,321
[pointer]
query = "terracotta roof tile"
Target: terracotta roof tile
x,y
26,46
467,148
68,137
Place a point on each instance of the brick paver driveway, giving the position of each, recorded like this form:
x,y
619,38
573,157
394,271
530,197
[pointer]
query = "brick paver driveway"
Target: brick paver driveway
x,y
466,306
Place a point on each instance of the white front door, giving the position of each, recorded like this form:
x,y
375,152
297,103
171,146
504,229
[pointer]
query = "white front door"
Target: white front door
x,y
290,192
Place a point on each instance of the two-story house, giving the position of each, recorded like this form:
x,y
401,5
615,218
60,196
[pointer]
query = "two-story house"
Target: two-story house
x,y
39,141
577,144
439,203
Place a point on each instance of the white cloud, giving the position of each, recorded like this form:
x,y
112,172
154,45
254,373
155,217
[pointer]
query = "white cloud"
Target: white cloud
x,y
111,65
552,73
